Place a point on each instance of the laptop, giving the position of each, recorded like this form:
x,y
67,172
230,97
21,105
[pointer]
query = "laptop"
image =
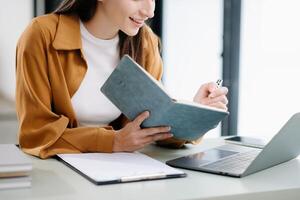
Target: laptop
x,y
239,161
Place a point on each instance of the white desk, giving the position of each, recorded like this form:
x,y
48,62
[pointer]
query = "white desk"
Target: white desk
x,y
53,180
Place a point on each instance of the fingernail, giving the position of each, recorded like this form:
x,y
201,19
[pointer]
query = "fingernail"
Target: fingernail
x,y
171,135
169,128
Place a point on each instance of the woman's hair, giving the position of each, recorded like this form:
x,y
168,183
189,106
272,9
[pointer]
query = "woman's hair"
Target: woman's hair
x,y
85,9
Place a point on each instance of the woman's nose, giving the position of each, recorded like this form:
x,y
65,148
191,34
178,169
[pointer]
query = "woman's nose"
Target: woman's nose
x,y
148,8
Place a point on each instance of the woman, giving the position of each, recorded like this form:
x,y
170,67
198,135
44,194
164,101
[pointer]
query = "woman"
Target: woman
x,y
62,60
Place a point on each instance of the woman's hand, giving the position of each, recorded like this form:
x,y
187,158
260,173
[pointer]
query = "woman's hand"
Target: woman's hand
x,y
132,137
212,95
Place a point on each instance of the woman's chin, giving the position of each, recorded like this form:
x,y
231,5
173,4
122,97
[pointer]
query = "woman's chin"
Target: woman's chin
x,y
131,32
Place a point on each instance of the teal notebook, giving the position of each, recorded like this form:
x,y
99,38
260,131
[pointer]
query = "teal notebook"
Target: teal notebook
x,y
133,90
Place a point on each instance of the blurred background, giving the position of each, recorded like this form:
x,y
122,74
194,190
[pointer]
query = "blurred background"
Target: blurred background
x,y
253,45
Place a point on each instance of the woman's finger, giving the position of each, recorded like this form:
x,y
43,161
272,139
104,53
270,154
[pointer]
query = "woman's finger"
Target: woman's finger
x,y
218,92
204,91
156,137
140,118
154,130
219,105
223,99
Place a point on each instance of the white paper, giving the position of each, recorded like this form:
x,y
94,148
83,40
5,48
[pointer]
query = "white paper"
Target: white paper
x,y
103,167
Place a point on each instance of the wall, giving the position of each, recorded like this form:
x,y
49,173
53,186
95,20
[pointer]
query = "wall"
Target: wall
x,y
192,46
270,66
14,17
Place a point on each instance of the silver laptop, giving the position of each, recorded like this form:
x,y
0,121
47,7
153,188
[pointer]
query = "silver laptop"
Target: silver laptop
x,y
239,161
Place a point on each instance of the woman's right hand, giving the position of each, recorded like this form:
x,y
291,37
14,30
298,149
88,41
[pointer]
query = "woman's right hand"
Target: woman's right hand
x,y
132,137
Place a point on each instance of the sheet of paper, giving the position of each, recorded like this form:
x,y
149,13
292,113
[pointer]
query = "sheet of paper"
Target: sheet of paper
x,y
114,166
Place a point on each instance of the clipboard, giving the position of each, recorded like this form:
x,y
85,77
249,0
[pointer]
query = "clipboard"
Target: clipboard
x,y
112,168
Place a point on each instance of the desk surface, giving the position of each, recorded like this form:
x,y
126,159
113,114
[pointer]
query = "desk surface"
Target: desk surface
x,y
53,180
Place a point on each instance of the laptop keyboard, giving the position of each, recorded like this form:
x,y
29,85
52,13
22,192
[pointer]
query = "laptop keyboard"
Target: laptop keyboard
x,y
234,164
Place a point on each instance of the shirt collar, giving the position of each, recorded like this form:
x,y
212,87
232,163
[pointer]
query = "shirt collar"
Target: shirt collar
x,y
67,36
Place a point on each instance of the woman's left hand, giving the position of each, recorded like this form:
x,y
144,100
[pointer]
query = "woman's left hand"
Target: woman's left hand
x,y
211,95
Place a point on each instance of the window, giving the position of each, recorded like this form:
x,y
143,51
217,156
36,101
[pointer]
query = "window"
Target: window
x,y
14,17
270,66
192,46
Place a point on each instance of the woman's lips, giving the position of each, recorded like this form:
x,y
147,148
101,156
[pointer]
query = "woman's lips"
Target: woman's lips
x,y
137,22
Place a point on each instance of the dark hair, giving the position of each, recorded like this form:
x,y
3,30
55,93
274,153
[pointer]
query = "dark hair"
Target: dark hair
x,y
85,9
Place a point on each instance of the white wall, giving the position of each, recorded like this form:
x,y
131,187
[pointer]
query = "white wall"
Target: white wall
x,y
192,46
14,17
270,66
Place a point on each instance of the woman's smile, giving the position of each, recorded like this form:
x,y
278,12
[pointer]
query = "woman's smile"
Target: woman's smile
x,y
137,22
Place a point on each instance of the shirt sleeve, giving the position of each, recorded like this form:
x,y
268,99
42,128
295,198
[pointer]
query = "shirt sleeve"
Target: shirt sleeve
x,y
42,132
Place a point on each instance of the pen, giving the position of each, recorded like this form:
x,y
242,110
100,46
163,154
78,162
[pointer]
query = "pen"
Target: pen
x,y
219,82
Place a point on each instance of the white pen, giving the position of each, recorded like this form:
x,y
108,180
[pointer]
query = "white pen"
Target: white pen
x,y
219,82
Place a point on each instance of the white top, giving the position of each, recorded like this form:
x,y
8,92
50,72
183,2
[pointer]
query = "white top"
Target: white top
x,y
91,107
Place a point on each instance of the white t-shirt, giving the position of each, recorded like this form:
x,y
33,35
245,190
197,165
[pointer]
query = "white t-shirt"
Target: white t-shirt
x,y
91,107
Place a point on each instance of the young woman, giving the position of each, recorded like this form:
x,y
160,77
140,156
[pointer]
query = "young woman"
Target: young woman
x,y
62,60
